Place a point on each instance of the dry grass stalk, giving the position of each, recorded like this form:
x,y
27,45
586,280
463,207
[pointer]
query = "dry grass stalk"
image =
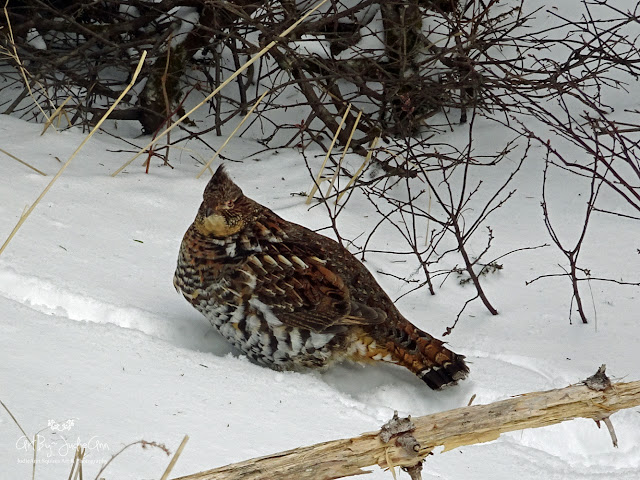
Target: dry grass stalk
x,y
224,144
316,184
390,465
35,455
450,429
56,114
33,444
64,167
344,152
174,459
73,465
23,162
360,170
247,64
77,464
13,53
15,420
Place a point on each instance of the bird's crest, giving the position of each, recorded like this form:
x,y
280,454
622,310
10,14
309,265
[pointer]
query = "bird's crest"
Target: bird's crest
x,y
221,187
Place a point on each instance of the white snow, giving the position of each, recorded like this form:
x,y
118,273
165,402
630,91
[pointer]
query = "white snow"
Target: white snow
x,y
93,330
97,348
188,18
35,39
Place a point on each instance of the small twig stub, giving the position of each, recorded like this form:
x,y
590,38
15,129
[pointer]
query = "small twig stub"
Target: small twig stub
x,y
414,472
401,429
599,380
612,432
396,426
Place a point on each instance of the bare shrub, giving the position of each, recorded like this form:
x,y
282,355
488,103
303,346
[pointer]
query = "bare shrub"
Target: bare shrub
x,y
402,72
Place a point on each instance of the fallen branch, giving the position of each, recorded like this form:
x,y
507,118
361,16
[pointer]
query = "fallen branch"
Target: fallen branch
x,y
450,429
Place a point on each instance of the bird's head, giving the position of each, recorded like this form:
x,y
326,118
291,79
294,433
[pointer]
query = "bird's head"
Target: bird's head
x,y
224,209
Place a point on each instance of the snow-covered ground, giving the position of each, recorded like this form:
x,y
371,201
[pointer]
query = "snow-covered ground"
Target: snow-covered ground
x,y
98,349
93,331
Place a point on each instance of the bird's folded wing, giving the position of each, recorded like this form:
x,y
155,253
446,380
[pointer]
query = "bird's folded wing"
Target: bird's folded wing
x,y
305,292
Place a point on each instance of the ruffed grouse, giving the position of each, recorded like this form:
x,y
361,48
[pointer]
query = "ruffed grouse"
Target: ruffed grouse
x,y
289,298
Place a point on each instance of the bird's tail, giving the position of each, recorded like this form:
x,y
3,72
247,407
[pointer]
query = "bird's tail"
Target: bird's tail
x,y
399,341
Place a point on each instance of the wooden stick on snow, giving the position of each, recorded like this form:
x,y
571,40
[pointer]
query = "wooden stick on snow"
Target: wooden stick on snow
x,y
450,429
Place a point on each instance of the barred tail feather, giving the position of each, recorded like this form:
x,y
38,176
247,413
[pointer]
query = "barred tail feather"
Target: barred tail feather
x,y
424,355
437,377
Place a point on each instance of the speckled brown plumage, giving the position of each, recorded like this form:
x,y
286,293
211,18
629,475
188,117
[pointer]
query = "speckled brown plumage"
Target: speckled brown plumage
x,y
289,297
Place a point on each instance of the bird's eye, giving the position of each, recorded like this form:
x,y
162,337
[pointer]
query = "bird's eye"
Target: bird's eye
x,y
228,204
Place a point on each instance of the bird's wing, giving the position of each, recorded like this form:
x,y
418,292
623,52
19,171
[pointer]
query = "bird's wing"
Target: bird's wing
x,y
304,290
